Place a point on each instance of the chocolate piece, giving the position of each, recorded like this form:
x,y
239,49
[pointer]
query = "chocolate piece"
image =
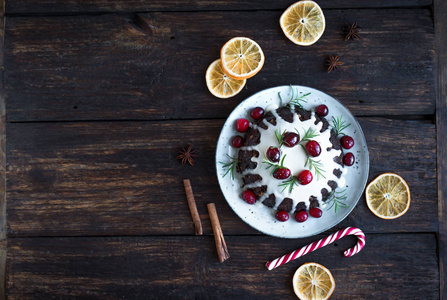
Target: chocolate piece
x,y
322,119
332,184
300,206
337,172
260,123
324,194
286,205
269,117
313,202
270,201
334,140
285,113
244,160
251,178
339,159
302,113
252,137
259,191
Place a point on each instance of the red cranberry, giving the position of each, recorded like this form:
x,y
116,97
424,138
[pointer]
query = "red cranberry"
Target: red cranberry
x,y
237,141
282,216
315,212
305,177
347,142
301,216
249,197
282,173
322,110
257,113
242,125
291,139
348,159
273,154
313,148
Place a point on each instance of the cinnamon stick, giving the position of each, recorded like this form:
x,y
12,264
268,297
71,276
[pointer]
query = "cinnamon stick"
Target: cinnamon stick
x,y
193,207
221,246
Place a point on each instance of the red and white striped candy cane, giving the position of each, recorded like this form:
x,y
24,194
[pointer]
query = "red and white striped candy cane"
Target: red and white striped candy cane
x,y
321,243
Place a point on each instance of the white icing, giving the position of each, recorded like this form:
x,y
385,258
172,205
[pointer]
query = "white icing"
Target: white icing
x,y
295,160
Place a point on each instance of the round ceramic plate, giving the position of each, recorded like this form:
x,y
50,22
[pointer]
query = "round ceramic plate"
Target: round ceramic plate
x,y
258,215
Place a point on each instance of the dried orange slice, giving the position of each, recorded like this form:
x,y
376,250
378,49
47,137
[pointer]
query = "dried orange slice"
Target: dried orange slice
x,y
303,22
312,281
388,196
242,58
219,84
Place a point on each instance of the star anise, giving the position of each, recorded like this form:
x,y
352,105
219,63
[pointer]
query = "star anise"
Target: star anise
x,y
352,31
186,155
333,63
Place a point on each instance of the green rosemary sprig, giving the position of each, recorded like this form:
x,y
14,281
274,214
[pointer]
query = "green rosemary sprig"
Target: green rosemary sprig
x,y
340,124
279,136
295,100
309,134
316,165
289,183
336,199
272,165
229,167
280,99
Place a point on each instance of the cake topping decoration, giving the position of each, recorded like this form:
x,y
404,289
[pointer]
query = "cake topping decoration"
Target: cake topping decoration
x,y
242,125
257,113
238,141
229,166
282,216
347,142
313,148
322,110
349,159
285,172
335,199
289,184
275,166
315,165
273,154
339,125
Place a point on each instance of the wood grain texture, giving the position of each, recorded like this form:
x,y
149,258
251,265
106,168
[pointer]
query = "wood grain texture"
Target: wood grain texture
x,y
188,268
123,178
440,14
2,163
152,66
76,6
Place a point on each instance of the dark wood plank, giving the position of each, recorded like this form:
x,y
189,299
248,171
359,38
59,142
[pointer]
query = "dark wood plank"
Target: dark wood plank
x,y
391,266
74,6
153,66
115,178
2,162
440,14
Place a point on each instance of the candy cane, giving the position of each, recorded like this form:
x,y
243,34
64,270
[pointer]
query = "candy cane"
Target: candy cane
x,y
321,243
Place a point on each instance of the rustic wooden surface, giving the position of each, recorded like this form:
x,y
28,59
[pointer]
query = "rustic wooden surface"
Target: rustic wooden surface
x,y
441,124
187,268
101,94
95,6
135,68
2,162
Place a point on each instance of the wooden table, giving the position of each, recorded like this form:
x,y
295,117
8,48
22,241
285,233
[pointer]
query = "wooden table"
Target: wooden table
x,y
98,96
